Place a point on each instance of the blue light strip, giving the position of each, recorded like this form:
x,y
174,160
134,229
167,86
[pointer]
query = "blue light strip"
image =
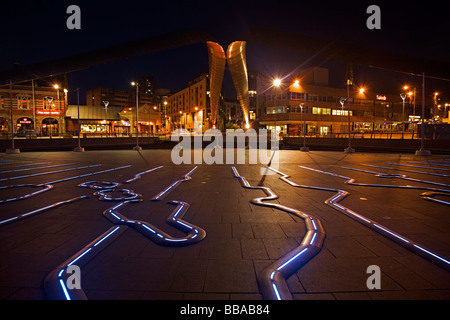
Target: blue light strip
x,y
139,175
398,176
272,279
87,174
50,172
414,171
434,163
163,193
37,168
194,233
40,210
55,282
407,243
44,188
49,185
415,166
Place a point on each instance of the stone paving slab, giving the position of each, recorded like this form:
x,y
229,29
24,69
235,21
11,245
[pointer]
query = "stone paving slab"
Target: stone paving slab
x,y
242,238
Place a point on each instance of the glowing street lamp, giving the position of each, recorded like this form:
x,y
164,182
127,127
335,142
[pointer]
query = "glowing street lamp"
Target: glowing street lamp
x,y
137,147
403,96
277,84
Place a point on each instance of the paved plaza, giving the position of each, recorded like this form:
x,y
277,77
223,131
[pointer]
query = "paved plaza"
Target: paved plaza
x,y
106,212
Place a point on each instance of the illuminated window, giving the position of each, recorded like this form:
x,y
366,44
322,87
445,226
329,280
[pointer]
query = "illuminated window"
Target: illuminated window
x,y
47,103
341,112
23,102
317,110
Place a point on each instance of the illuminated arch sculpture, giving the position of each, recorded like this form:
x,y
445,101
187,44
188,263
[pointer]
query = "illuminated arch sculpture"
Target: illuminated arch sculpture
x,y
238,68
217,62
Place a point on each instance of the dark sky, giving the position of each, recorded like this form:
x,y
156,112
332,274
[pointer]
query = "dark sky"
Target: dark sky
x,y
35,31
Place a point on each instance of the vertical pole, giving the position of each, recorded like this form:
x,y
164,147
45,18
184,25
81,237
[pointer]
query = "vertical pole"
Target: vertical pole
x,y
137,147
422,151
12,118
79,148
349,149
13,149
34,106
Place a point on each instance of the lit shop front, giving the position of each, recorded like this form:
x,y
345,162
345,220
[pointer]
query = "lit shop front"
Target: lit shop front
x,y
49,121
100,127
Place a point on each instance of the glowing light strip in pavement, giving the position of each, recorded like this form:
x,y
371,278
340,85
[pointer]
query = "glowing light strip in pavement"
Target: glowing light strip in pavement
x,y
49,185
167,190
405,242
33,212
88,174
398,176
414,171
55,284
37,168
434,163
426,195
416,166
272,279
50,172
194,233
26,164
139,175
44,187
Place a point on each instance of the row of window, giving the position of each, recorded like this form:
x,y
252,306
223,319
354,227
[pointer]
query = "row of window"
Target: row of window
x,y
314,98
25,102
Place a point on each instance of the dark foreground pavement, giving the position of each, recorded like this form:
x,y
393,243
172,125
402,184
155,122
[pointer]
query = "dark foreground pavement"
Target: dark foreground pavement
x,y
242,239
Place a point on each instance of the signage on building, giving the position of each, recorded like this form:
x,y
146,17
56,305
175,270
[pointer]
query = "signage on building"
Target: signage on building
x,y
381,97
48,112
25,121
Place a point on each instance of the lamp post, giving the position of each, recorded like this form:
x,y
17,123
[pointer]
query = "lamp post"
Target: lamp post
x,y
276,83
342,101
12,150
106,103
78,148
304,148
349,149
137,147
56,86
422,151
403,96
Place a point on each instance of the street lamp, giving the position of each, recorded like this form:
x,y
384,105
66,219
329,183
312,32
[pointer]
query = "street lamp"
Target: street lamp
x,y
304,148
342,101
277,84
137,147
106,103
56,86
403,96
349,149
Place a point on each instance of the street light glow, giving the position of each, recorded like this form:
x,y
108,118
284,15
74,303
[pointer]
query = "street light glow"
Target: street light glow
x,y
361,90
56,86
277,82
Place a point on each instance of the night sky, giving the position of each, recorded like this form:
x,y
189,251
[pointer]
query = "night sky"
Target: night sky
x,y
35,31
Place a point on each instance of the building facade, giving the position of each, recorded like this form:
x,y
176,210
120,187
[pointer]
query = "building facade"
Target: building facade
x,y
34,108
308,105
190,107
